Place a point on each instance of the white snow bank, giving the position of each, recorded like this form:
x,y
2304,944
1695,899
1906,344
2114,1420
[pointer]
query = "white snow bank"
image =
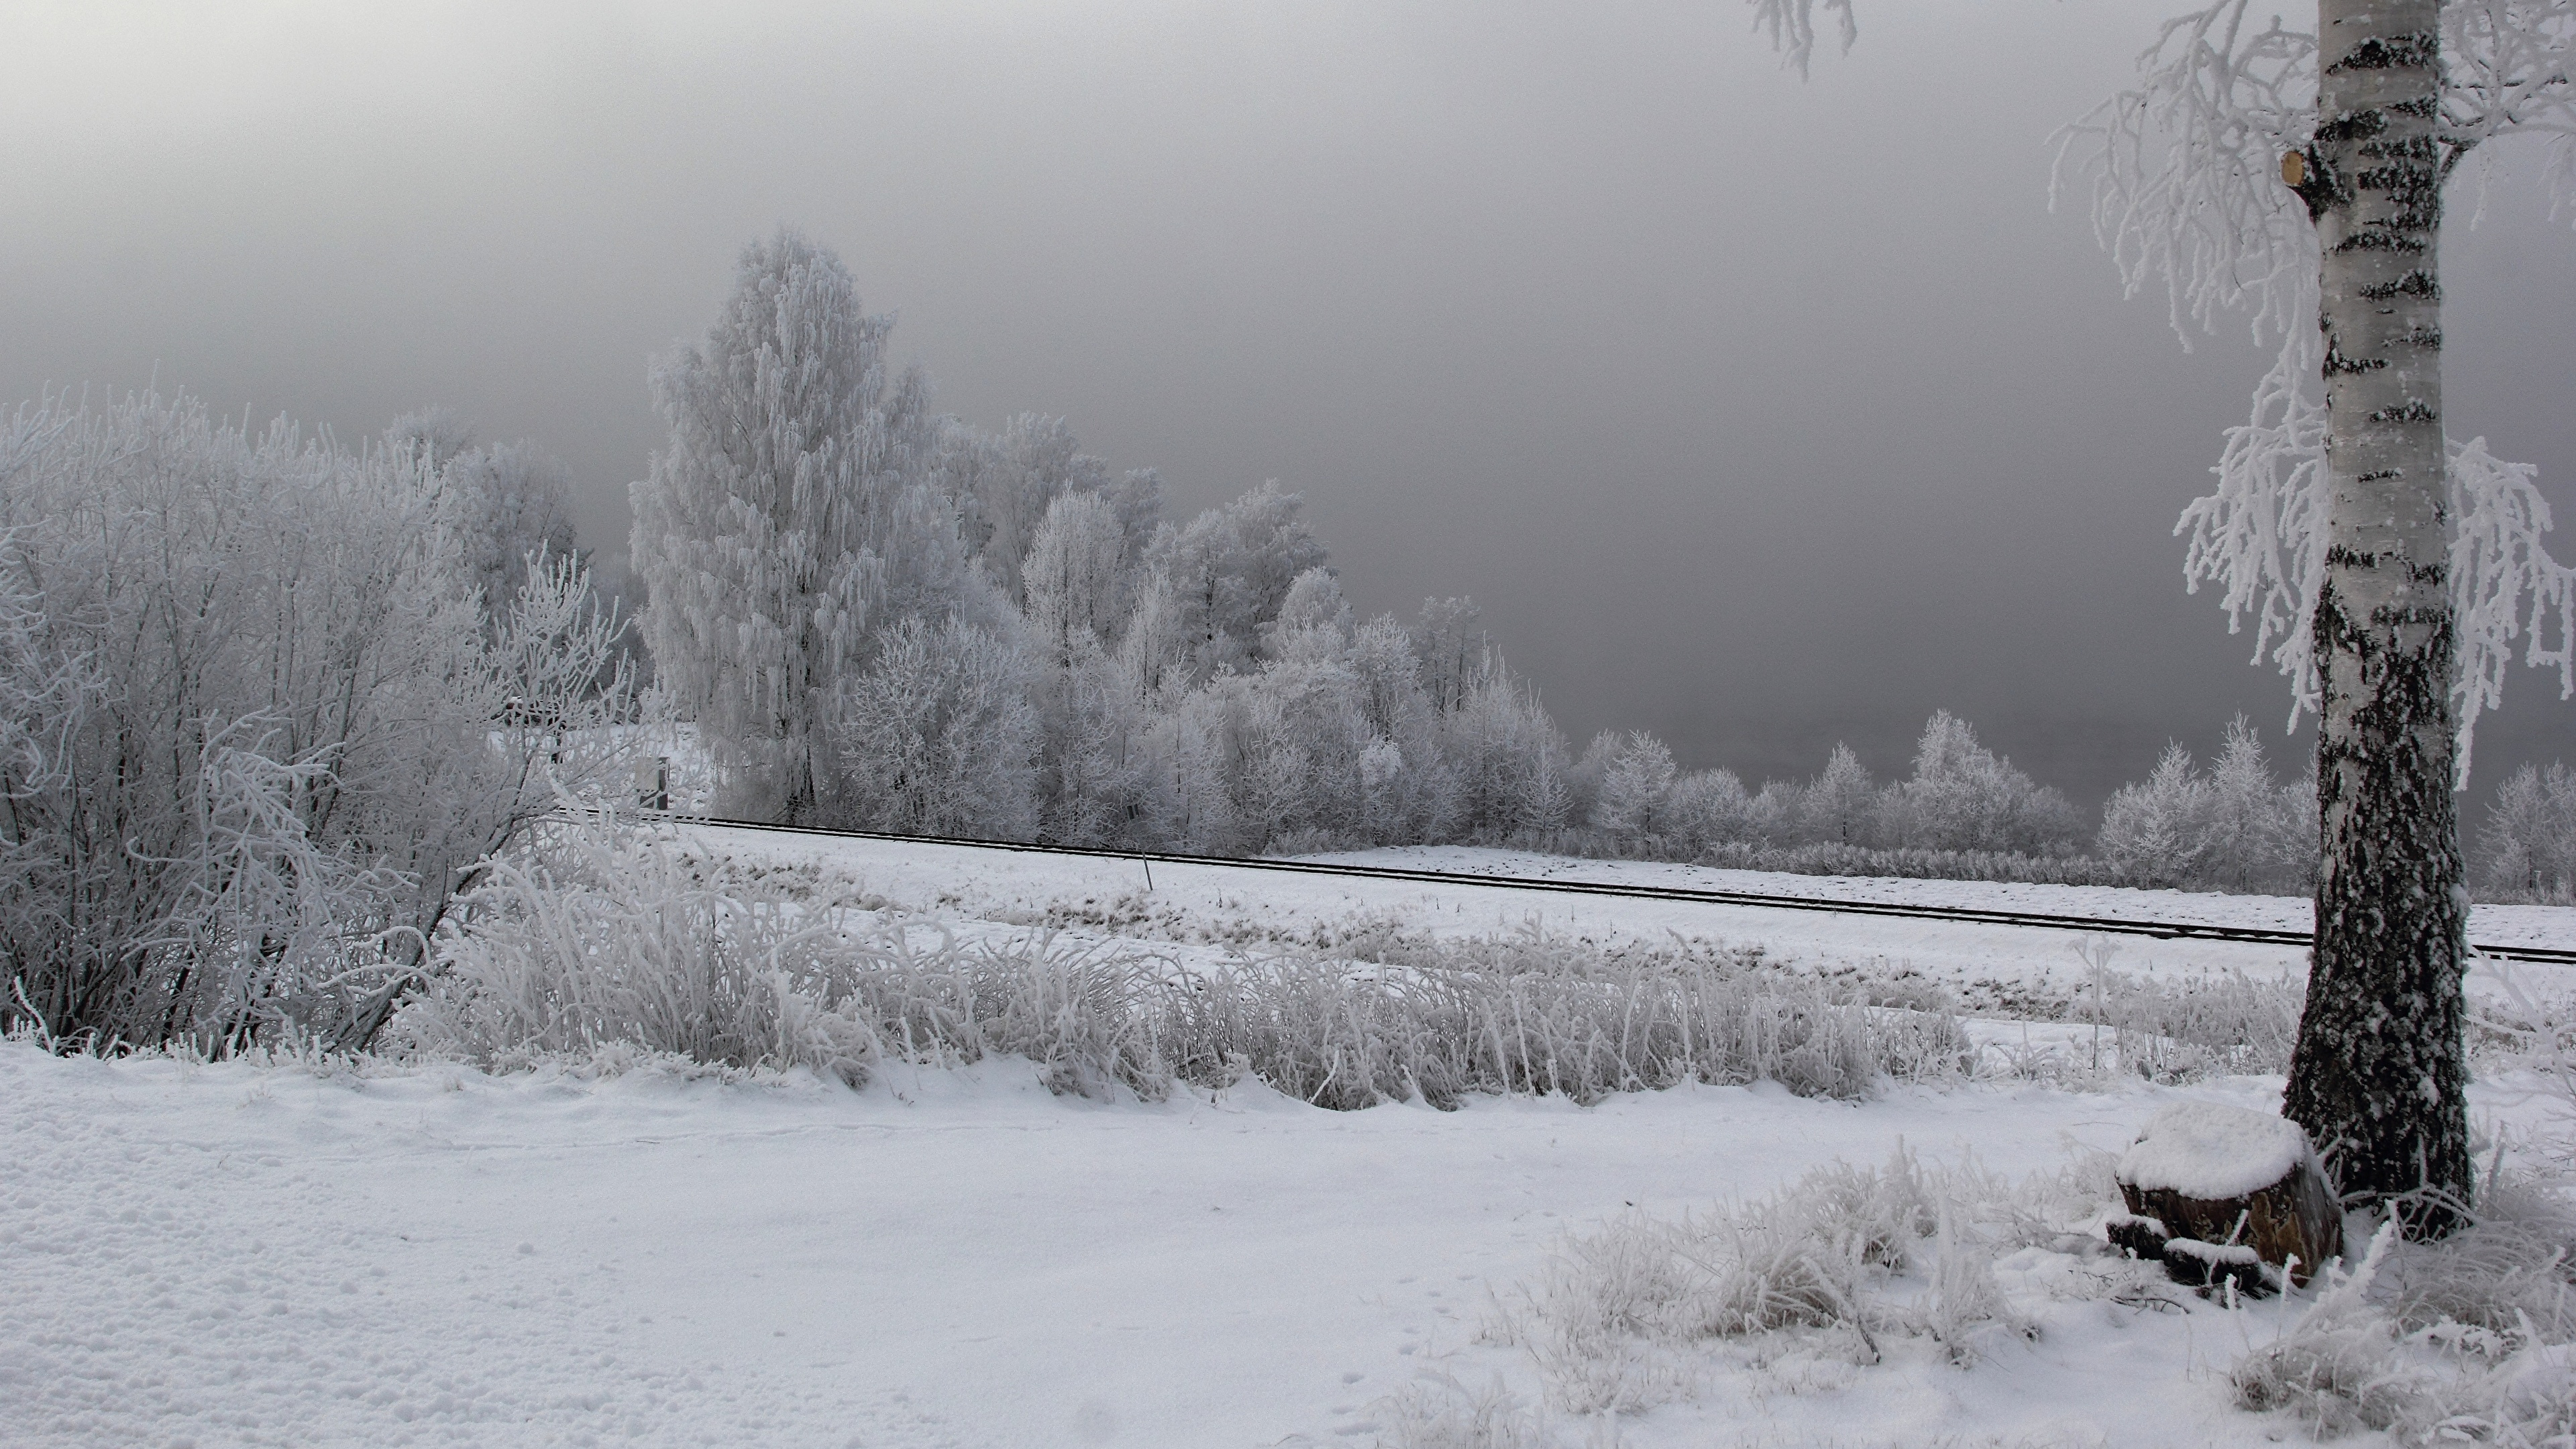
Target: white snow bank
x,y
2211,1151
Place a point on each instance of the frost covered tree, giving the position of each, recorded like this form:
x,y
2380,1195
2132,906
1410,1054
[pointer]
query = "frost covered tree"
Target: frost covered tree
x,y
2233,827
509,503
1003,484
792,485
2261,831
258,735
1453,649
938,736
1705,809
2530,835
1508,758
2157,830
1636,770
1963,796
1839,805
1225,573
1076,576
2390,570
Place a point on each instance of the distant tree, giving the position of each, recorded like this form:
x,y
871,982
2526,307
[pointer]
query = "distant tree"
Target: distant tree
x,y
1452,649
1507,757
1840,805
1963,796
1089,771
509,503
1708,808
1313,621
2530,836
1003,483
1076,577
431,435
1226,572
1635,776
2261,831
2157,832
794,470
938,735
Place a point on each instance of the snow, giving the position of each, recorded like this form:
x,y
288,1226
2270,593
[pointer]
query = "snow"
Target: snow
x,y
2211,1151
235,1254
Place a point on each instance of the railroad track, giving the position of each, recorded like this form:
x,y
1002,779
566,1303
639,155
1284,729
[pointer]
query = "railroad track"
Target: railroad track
x,y
2037,920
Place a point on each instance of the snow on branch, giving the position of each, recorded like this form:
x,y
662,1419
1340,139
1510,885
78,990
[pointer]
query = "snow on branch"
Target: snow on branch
x,y
1791,24
2261,537
2186,171
2503,583
2186,190
2509,67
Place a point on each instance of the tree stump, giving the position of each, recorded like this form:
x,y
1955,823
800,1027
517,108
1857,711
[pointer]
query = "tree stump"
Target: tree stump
x,y
2233,1192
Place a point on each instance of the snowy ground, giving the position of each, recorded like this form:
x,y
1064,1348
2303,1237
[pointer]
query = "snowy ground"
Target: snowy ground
x,y
228,1255
235,1255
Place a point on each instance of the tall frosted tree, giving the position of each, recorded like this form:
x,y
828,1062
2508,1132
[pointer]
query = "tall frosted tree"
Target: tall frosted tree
x,y
1074,577
2299,175
796,451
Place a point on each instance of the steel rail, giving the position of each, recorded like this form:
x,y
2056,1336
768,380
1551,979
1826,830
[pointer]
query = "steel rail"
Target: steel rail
x,y
1972,915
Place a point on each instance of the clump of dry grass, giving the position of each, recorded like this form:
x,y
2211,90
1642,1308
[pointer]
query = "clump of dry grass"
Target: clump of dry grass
x,y
1845,1259
2468,1339
602,934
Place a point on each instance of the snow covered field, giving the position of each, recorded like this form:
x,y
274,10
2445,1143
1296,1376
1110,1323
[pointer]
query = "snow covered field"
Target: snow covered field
x,y
1213,907
290,1255
234,1255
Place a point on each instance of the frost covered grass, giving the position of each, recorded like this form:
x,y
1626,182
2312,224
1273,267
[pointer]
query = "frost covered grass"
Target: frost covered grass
x,y
1852,1272
2164,1030
2472,1338
599,937
1845,1266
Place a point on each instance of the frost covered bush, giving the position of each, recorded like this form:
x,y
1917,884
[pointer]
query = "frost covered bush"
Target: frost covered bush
x,y
262,719
2171,1031
1861,860
587,938
1442,1413
595,936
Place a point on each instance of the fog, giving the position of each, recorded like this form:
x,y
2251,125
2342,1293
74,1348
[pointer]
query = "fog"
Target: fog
x,y
1754,411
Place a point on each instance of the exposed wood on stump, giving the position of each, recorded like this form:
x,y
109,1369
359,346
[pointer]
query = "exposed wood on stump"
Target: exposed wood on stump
x,y
2218,1193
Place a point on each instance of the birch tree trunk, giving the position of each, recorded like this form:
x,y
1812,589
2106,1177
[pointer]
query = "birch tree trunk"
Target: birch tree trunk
x,y
2379,1071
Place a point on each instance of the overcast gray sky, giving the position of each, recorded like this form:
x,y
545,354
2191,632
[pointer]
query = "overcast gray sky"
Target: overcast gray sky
x,y
1756,412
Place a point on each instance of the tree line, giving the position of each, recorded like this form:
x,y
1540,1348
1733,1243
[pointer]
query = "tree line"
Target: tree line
x,y
888,619
272,701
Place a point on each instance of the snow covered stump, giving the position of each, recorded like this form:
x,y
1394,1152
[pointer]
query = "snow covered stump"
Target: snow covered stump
x,y
2221,1193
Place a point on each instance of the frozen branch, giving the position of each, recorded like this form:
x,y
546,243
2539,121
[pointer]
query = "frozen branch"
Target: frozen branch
x,y
2188,190
2261,538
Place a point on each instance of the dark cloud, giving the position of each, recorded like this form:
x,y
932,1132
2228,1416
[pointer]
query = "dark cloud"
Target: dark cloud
x,y
1755,412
